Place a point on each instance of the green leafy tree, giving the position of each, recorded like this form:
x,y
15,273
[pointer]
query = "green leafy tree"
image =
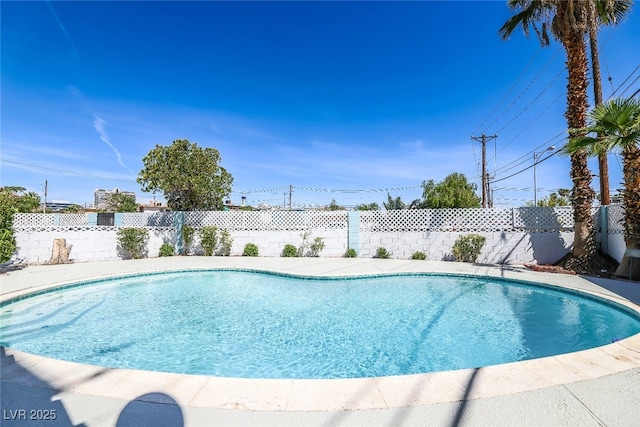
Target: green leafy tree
x,y
73,209
13,200
561,198
333,206
189,176
393,204
452,192
368,207
120,202
23,200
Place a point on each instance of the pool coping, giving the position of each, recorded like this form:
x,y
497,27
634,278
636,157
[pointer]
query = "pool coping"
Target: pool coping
x,y
197,391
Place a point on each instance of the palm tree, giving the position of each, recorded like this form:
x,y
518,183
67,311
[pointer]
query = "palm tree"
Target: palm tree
x,y
616,124
566,21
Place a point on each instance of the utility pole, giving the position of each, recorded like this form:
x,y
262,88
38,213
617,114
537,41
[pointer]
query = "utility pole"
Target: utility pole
x,y
603,163
44,205
290,191
485,176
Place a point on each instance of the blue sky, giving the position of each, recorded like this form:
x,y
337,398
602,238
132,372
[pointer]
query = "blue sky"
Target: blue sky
x,y
369,97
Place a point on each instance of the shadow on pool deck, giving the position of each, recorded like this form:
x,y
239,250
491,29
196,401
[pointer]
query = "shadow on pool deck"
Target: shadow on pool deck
x,y
30,401
625,288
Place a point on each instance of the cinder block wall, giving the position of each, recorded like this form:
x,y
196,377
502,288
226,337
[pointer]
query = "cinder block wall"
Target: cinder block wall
x,y
500,248
513,236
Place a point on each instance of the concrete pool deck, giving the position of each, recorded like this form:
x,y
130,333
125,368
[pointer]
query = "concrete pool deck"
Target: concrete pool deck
x,y
592,387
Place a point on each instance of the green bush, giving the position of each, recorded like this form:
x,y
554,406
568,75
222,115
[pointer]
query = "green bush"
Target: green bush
x,y
7,244
133,241
12,201
316,247
167,250
187,238
250,249
225,243
310,249
468,248
382,253
350,253
289,251
208,239
419,255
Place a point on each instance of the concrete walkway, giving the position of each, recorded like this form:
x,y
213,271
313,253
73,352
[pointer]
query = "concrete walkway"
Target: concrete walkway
x,y
593,387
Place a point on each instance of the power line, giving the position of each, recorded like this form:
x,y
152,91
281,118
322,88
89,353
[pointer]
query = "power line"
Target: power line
x,y
528,167
529,124
525,157
66,172
525,89
625,80
509,91
531,103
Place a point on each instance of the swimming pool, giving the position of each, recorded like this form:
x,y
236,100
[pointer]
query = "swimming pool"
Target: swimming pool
x,y
258,325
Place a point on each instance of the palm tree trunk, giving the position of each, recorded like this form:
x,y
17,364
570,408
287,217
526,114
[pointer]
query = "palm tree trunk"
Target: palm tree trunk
x,y
631,199
577,103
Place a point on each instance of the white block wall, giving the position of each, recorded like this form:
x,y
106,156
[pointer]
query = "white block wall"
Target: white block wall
x,y
36,247
500,247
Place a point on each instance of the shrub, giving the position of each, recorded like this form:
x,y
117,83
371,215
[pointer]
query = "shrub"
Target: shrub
x,y
468,248
208,239
350,253
305,244
419,255
133,240
316,247
187,238
310,249
250,249
167,250
225,243
382,253
289,251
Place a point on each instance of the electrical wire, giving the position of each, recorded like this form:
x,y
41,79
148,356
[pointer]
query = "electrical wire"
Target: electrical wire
x,y
525,157
504,97
527,168
66,172
528,125
524,91
625,80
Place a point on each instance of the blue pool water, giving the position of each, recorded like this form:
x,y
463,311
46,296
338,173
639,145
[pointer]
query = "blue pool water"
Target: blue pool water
x,y
256,325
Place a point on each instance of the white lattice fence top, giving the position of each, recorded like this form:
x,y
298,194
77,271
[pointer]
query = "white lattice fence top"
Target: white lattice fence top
x,y
472,220
148,219
616,219
74,220
487,220
268,220
33,220
543,218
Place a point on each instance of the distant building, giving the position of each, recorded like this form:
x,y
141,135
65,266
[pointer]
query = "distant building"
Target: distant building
x,y
152,206
101,197
58,205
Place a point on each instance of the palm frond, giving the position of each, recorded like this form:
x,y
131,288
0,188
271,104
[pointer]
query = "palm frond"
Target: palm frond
x,y
614,124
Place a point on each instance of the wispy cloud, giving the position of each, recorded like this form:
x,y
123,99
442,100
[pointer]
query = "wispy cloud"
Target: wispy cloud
x,y
99,124
64,30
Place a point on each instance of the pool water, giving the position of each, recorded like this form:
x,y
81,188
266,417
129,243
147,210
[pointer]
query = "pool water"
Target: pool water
x,y
258,325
